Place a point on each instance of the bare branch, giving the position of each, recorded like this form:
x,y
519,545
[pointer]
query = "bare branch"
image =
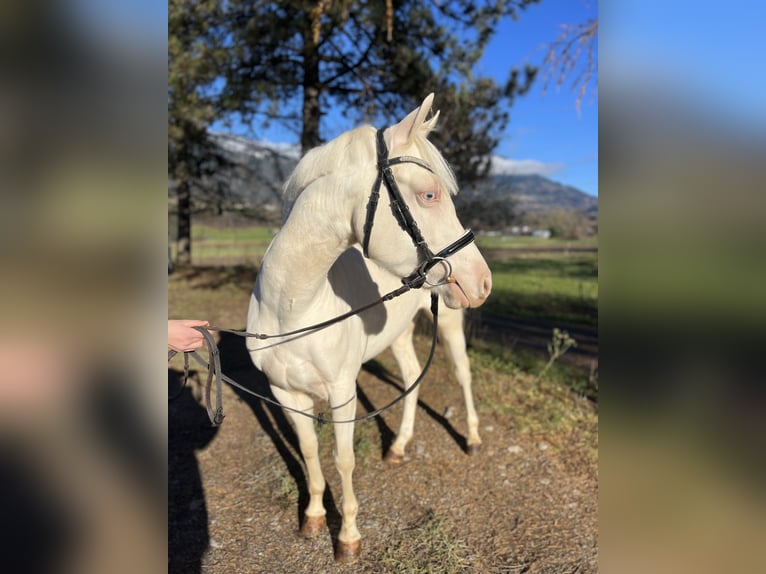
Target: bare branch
x,y
564,58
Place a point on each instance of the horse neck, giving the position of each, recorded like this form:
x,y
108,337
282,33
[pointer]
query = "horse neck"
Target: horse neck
x,y
298,261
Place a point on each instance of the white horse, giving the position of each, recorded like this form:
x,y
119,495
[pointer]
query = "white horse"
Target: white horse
x,y
301,281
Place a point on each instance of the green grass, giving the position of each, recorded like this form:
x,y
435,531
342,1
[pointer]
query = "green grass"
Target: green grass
x,y
551,285
508,387
546,286
556,281
257,234
521,242
228,245
366,440
285,490
492,363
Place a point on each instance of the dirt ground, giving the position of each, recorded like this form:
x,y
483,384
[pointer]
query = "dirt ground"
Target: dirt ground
x,y
527,502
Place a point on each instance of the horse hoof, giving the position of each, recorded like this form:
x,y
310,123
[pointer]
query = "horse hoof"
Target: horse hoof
x,y
348,552
312,526
393,457
473,449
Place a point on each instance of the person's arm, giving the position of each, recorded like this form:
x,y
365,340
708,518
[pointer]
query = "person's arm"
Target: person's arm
x,y
182,337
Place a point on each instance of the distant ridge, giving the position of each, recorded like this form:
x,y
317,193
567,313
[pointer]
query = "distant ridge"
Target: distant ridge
x,y
253,173
533,194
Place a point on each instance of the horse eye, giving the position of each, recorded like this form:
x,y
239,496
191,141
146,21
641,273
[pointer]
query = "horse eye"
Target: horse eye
x,y
429,196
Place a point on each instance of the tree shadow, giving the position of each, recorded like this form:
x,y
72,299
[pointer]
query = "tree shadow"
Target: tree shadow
x,y
387,435
236,364
217,276
189,430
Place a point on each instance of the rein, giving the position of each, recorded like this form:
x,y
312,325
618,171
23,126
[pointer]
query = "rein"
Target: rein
x,y
414,280
216,415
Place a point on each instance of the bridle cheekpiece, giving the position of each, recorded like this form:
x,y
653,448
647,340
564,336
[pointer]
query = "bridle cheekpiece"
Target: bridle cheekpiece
x,y
404,217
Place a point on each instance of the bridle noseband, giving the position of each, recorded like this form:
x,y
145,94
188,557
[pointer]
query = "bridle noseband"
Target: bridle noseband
x,y
404,217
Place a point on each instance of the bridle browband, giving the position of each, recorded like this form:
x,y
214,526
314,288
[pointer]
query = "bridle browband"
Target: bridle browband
x,y
404,217
414,280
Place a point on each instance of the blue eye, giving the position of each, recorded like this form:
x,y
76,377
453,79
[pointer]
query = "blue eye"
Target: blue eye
x,y
429,198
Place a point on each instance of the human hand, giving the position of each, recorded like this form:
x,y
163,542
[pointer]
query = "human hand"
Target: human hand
x,y
183,337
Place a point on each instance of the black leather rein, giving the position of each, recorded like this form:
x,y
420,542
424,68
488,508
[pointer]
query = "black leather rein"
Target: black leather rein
x,y
215,414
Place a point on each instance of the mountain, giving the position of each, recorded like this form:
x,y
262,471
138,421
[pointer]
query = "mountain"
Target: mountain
x,y
247,176
533,194
252,173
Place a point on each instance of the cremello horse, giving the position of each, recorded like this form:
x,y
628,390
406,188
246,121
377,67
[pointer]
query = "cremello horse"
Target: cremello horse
x,y
303,280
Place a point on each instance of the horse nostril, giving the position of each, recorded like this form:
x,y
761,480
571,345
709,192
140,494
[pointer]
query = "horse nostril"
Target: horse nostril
x,y
486,286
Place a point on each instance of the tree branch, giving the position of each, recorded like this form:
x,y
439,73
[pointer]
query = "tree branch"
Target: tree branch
x,y
565,54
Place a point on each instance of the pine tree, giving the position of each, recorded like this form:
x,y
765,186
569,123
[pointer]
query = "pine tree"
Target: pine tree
x,y
293,60
377,59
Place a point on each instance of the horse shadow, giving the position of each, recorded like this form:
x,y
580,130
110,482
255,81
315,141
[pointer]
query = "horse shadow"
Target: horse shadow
x,y
189,430
377,370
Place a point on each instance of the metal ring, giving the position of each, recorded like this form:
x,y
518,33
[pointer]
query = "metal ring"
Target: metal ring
x,y
432,263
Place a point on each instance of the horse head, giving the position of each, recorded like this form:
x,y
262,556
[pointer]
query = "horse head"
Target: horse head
x,y
426,185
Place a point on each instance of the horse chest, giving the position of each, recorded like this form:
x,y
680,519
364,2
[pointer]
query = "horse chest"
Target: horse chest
x,y
310,369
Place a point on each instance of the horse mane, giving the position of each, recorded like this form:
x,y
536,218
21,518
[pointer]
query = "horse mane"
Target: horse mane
x,y
436,162
356,148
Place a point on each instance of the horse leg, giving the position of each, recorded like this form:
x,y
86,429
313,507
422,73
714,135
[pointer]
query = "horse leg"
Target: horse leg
x,y
304,427
404,353
349,540
453,337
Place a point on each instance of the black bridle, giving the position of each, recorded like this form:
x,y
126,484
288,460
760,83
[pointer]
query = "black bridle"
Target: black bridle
x,y
404,217
415,280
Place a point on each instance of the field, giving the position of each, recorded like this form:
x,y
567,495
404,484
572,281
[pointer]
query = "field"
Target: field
x,y
525,503
532,277
538,284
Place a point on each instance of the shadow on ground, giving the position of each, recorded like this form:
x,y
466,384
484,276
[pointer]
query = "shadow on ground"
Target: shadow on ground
x,y
189,430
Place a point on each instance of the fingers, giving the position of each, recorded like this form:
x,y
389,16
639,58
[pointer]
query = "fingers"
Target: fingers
x,y
183,337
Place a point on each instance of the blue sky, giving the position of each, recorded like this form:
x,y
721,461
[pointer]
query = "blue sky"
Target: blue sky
x,y
545,125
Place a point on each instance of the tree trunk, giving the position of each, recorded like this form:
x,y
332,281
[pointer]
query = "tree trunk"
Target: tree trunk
x,y
183,242
311,89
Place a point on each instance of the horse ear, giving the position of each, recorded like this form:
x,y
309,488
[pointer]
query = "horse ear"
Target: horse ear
x,y
402,132
431,124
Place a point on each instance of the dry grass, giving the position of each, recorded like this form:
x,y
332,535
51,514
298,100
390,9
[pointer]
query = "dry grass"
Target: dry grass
x,y
429,546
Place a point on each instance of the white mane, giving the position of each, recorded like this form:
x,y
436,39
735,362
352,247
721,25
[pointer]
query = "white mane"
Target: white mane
x,y
356,148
